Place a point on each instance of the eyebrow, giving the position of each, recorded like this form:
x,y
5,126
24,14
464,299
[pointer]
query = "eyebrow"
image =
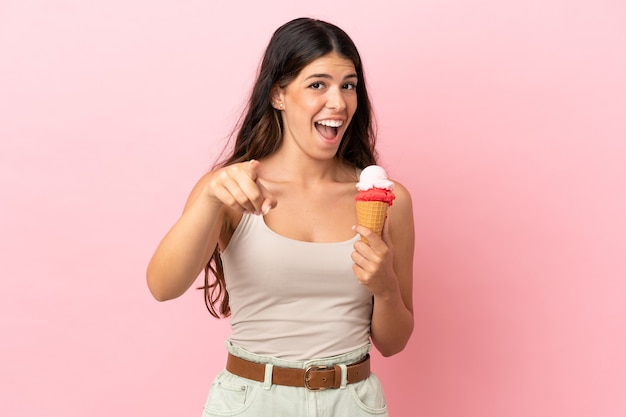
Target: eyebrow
x,y
330,77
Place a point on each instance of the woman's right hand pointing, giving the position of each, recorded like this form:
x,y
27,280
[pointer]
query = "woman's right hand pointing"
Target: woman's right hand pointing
x,y
237,186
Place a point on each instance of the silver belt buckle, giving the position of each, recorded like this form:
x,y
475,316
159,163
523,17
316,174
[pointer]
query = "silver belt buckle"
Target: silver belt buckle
x,y
307,376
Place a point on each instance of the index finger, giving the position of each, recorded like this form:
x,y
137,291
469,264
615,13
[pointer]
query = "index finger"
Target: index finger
x,y
367,235
269,201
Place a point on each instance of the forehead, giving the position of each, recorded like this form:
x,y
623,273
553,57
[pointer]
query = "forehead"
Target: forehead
x,y
329,63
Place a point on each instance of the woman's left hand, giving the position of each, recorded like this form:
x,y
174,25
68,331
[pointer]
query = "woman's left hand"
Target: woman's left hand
x,y
373,261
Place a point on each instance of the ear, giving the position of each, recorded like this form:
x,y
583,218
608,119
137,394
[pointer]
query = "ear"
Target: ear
x,y
277,97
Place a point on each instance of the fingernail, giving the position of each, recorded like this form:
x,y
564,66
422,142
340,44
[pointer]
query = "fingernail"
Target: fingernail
x,y
267,209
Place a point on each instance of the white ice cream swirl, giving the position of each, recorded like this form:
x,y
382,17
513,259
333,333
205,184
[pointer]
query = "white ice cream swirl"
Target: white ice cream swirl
x,y
374,176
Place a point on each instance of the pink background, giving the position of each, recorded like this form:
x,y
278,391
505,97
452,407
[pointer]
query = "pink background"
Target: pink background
x,y
506,122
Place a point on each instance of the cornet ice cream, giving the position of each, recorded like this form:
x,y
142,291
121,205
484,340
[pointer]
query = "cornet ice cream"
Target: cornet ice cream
x,y
374,197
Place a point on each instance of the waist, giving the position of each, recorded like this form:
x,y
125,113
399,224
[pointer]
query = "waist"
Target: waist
x,y
251,353
313,377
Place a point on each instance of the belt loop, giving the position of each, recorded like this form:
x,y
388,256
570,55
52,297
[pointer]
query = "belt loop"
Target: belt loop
x,y
344,376
267,383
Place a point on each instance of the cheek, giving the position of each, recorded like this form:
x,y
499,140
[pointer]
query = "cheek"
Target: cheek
x,y
352,106
312,105
297,118
352,100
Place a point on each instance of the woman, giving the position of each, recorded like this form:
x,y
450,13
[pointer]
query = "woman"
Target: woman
x,y
274,225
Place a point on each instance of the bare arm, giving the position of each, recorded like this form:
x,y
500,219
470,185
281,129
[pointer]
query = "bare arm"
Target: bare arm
x,y
187,247
385,267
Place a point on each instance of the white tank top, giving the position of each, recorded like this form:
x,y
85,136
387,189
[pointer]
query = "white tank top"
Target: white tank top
x,y
292,299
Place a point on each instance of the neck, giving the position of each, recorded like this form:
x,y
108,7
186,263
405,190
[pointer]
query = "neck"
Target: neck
x,y
305,171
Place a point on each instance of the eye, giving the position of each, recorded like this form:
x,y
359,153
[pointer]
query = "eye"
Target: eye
x,y
349,86
317,85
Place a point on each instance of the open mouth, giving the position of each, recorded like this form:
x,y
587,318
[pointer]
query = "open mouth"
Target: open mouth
x,y
328,128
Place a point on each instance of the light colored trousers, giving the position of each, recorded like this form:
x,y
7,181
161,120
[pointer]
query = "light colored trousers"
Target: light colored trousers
x,y
234,396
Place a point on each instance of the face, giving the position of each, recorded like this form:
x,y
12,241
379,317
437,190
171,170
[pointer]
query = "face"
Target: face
x,y
318,105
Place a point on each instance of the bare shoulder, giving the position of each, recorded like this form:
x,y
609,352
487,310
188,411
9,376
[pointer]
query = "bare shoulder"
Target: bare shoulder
x,y
401,221
403,202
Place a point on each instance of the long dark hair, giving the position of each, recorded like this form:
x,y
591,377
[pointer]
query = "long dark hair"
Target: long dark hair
x,y
259,132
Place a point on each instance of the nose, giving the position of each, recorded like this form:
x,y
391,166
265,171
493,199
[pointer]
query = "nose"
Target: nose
x,y
335,99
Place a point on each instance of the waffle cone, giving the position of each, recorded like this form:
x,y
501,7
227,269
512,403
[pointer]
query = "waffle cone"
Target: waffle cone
x,y
371,214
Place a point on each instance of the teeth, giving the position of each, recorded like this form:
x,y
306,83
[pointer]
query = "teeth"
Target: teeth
x,y
330,123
